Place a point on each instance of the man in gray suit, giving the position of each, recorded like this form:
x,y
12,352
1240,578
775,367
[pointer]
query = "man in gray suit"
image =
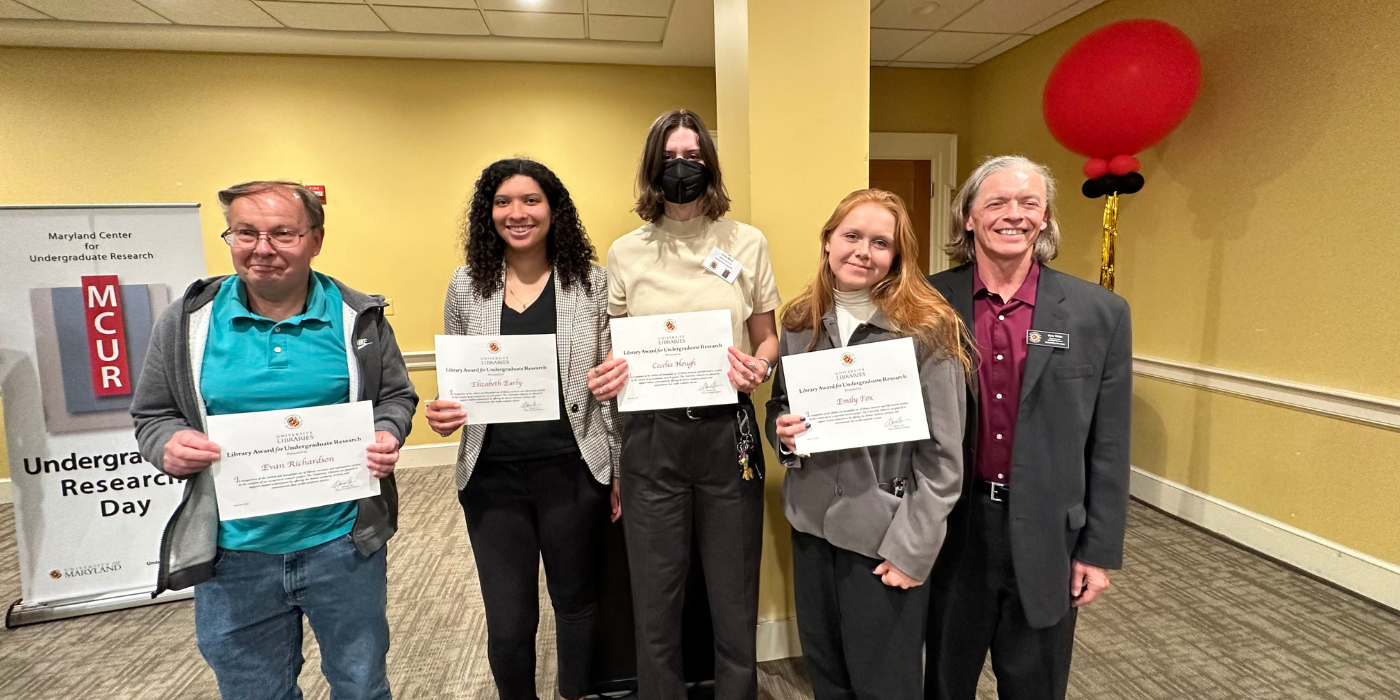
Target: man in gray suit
x,y
1045,499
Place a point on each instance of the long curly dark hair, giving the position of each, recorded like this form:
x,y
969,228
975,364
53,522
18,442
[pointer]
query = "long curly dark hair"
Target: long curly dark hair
x,y
566,247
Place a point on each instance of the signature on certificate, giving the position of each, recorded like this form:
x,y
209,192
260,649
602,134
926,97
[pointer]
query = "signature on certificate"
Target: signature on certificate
x,y
896,423
531,406
711,387
346,484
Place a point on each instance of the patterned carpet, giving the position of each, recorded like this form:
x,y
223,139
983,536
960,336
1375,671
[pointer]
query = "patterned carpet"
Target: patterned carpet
x,y
1189,617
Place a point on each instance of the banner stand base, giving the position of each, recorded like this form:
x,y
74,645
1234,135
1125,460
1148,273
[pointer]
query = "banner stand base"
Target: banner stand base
x,y
20,614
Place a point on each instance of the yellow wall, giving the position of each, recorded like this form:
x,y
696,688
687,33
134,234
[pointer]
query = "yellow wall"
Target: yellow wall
x,y
1262,244
923,101
398,144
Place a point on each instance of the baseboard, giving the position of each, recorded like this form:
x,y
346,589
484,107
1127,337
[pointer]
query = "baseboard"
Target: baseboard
x,y
434,455
1342,566
777,639
7,494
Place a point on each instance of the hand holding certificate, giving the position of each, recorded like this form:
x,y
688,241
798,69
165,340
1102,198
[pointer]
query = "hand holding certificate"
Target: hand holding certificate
x,y
499,378
280,461
857,396
675,361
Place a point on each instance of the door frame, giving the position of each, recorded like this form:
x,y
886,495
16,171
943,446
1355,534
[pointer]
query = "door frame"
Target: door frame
x,y
941,150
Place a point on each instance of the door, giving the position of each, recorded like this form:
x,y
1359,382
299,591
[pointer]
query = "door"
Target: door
x,y
912,180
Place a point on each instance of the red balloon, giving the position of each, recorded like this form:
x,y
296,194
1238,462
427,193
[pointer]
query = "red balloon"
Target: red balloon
x,y
1122,88
1122,165
1095,168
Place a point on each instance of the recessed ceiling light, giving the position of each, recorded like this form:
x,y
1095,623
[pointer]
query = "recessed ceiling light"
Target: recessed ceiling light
x,y
927,8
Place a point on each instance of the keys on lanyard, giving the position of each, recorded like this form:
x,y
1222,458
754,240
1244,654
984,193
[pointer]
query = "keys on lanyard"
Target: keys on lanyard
x,y
745,442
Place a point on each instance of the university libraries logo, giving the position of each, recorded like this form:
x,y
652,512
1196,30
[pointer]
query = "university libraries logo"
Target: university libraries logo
x,y
494,347
670,325
293,421
848,359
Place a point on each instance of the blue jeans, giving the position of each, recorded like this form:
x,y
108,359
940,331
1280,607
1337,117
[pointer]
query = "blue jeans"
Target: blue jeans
x,y
248,621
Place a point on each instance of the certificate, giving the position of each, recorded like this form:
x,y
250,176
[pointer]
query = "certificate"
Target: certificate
x,y
499,378
280,461
857,396
675,361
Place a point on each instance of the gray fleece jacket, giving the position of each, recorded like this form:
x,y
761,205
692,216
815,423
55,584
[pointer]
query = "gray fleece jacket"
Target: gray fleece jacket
x,y
167,401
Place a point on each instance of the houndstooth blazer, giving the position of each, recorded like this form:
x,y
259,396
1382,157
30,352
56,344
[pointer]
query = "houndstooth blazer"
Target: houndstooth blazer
x,y
583,343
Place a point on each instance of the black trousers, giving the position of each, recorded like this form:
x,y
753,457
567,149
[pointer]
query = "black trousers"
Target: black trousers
x,y
981,610
518,512
679,472
862,640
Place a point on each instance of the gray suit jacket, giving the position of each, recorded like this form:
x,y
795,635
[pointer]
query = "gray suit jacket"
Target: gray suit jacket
x,y
847,496
1069,463
583,342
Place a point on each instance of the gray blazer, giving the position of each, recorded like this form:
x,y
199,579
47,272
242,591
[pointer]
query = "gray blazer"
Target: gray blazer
x,y
1069,463
583,343
847,496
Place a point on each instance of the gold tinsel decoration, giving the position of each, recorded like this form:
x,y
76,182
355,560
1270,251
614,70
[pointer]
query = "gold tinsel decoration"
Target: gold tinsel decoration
x,y
1110,238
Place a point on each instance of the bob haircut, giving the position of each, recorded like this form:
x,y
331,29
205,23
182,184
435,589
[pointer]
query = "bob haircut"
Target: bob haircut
x,y
651,204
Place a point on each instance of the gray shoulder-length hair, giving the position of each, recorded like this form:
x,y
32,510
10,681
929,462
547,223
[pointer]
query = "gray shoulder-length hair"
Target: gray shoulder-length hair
x,y
960,238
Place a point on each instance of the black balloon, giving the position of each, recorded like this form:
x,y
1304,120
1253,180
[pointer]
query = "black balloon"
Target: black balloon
x,y
1131,183
1091,189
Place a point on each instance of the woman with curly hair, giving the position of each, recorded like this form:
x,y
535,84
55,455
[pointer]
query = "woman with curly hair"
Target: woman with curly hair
x,y
868,522
538,489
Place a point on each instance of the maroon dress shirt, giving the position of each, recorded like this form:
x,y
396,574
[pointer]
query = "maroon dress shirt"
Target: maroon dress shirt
x,y
999,327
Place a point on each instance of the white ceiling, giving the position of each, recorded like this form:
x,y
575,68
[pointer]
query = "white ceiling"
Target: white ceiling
x,y
959,33
904,33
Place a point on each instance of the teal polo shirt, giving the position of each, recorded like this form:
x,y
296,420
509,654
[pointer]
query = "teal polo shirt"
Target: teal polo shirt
x,y
252,363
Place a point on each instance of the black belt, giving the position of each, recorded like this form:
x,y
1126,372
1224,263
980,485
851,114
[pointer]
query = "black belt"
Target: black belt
x,y
703,412
991,489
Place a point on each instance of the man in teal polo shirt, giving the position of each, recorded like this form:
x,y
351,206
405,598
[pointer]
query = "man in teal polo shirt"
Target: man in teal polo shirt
x,y
275,336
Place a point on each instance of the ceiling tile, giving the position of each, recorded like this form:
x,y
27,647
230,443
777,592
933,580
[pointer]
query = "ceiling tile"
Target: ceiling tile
x,y
952,47
213,13
127,11
426,20
1006,15
568,6
918,14
639,8
537,25
889,44
455,4
1071,11
944,66
9,9
616,28
343,18
1001,48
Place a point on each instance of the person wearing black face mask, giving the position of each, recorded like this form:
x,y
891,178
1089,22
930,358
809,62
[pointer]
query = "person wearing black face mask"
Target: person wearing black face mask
x,y
682,469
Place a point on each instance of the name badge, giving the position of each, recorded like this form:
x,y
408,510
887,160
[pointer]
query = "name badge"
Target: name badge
x,y
1048,339
723,265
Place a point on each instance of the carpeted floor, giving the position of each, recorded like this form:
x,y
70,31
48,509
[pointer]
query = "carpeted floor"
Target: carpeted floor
x,y
1190,616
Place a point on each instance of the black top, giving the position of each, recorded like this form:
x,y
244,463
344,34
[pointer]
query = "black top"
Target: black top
x,y
517,441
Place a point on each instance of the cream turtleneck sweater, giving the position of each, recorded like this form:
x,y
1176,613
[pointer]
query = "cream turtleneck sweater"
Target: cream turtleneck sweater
x,y
852,309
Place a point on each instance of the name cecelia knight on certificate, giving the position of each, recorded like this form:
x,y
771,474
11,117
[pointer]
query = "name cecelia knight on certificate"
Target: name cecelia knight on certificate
x,y
857,396
675,361
280,461
499,378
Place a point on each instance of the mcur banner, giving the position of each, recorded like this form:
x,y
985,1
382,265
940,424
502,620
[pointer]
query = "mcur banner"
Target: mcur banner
x,y
80,288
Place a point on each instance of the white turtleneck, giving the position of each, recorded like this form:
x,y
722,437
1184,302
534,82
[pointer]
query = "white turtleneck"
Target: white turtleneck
x,y
852,309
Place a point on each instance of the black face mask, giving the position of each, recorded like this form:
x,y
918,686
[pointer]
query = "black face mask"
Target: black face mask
x,y
683,181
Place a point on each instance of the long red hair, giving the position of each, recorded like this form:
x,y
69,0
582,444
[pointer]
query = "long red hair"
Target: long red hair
x,y
904,296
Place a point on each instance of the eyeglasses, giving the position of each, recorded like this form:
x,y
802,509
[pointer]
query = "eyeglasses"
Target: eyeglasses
x,y
247,237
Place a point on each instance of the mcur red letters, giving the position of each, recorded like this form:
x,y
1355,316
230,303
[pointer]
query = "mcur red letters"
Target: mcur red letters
x,y
106,335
